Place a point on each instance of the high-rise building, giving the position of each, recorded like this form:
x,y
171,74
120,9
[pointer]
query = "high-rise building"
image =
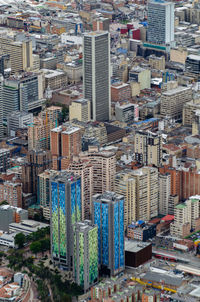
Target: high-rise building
x,y
164,193
43,196
148,148
65,210
21,93
96,74
104,169
18,119
11,192
140,190
108,215
1,108
186,217
39,133
80,110
9,214
20,53
4,159
160,22
65,143
85,257
36,163
84,169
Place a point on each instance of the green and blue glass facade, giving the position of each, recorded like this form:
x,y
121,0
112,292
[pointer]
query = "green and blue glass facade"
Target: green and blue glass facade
x,y
85,254
108,215
65,209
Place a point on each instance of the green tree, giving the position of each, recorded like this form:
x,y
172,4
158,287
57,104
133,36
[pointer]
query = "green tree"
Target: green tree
x,y
20,240
35,247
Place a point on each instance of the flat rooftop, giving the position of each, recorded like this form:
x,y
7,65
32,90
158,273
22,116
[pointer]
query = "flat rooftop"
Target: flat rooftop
x,y
135,246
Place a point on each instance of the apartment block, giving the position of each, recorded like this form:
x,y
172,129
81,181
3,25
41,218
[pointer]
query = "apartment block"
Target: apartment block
x,y
65,210
140,190
196,123
148,148
108,215
142,76
84,169
39,133
104,169
85,259
54,79
65,143
186,217
172,101
189,110
12,193
164,193
36,163
80,110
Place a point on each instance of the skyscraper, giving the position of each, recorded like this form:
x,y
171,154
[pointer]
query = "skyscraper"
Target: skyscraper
x,y
1,107
85,258
65,210
108,215
96,74
160,22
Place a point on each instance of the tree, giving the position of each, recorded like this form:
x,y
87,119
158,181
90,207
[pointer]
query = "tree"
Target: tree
x,y
20,240
35,247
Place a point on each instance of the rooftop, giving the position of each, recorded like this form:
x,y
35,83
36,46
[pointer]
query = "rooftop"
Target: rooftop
x,y
135,246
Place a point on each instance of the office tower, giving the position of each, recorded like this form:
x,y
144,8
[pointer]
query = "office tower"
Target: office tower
x,y
148,148
39,133
36,163
20,53
186,217
192,63
4,159
172,101
9,214
96,74
18,119
85,260
140,190
108,215
1,107
65,143
21,93
80,110
43,196
84,169
11,192
5,65
160,22
104,169
65,210
164,193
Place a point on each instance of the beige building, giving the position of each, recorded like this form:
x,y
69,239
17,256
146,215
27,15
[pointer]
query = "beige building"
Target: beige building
x,y
142,76
140,190
164,193
178,55
54,79
39,133
21,58
104,169
157,62
172,101
85,170
186,217
196,123
148,148
80,110
189,110
73,70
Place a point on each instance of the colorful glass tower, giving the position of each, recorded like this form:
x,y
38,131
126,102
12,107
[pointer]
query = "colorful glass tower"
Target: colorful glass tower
x,y
85,254
65,210
108,215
